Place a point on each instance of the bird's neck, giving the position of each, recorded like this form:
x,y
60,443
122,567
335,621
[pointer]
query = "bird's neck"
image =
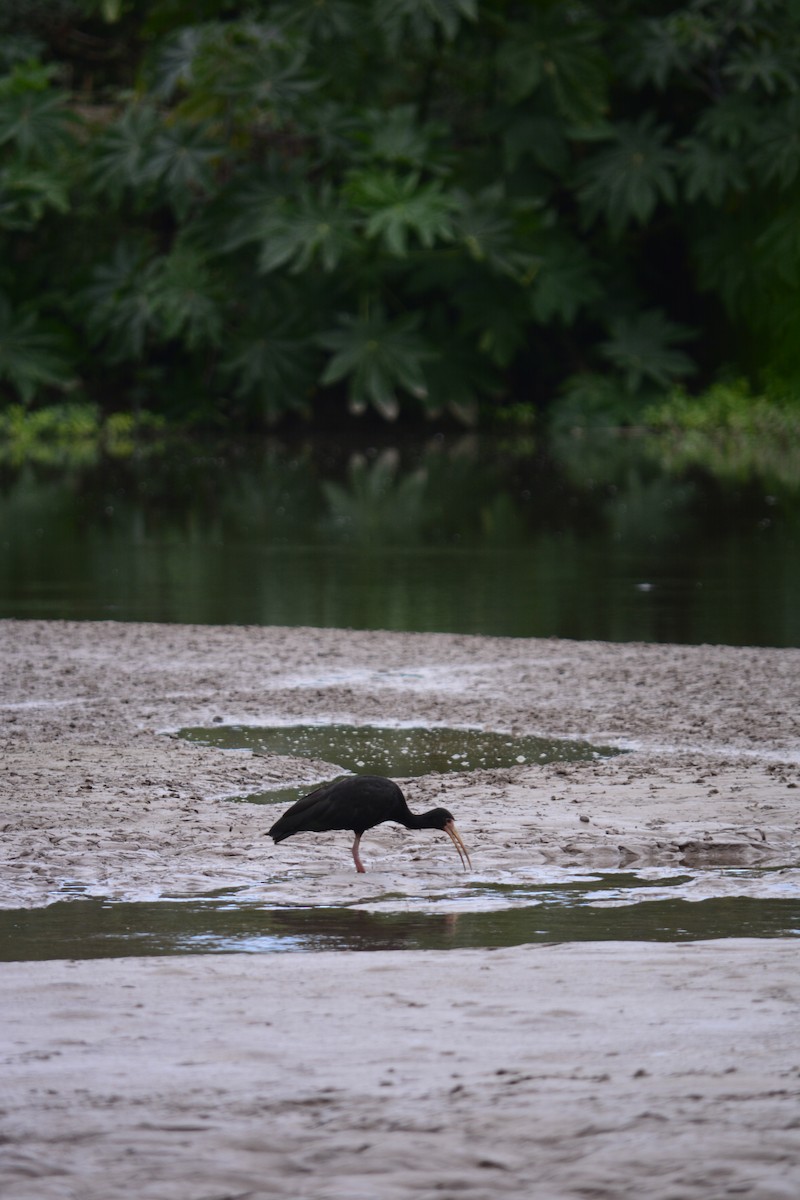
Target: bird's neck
x,y
426,820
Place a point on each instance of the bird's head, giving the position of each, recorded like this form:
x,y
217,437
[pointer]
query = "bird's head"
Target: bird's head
x,y
440,818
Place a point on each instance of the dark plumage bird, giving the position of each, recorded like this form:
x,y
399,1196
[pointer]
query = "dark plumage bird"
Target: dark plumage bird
x,y
358,802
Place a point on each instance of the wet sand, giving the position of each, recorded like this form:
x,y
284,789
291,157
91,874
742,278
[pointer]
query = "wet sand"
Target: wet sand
x,y
600,1070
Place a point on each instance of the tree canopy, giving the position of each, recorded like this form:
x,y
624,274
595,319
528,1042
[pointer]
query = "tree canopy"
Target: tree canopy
x,y
238,212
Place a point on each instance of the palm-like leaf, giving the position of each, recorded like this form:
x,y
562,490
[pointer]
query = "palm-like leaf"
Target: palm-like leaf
x,y
539,138
397,206
565,283
272,365
763,65
485,227
777,256
776,155
422,19
549,51
185,299
37,123
252,66
121,302
317,227
659,47
730,122
173,65
643,349
324,22
710,172
377,357
396,136
625,182
30,358
27,193
121,155
181,162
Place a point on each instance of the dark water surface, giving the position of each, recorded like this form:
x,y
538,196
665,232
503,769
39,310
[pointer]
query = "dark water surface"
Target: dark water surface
x,y
591,538
395,751
228,923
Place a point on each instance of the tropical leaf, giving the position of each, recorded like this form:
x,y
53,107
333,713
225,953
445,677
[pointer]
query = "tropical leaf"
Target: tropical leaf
x,y
120,301
550,50
250,66
485,227
315,227
27,193
710,172
625,182
422,19
652,53
121,154
172,66
398,206
765,66
30,75
777,257
395,136
30,358
457,379
723,268
776,153
38,124
378,358
565,283
181,162
185,299
730,122
268,362
539,138
322,20
643,349
18,50
494,317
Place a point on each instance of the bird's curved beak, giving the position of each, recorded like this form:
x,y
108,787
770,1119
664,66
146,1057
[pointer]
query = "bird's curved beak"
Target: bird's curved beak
x,y
455,837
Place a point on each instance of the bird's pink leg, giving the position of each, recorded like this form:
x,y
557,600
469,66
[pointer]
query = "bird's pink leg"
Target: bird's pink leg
x,y
356,858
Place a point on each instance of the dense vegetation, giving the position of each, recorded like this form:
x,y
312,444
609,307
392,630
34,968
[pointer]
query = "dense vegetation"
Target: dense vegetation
x,y
235,212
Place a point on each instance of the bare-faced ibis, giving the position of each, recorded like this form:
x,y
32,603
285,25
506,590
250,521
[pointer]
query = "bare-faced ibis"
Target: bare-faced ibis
x,y
359,802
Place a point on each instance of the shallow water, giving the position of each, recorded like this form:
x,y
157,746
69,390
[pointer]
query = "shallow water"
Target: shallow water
x,y
589,538
485,915
384,750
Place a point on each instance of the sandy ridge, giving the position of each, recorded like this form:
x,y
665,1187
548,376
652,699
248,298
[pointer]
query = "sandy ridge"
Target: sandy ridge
x,y
609,1070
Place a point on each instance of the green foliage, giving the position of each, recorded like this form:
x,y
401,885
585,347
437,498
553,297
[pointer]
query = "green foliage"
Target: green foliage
x,y
729,407
580,201
554,52
397,206
73,433
294,233
642,348
378,504
625,182
30,357
730,431
378,358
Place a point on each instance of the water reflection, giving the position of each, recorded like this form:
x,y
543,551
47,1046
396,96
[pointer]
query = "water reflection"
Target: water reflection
x,y
99,929
596,539
395,751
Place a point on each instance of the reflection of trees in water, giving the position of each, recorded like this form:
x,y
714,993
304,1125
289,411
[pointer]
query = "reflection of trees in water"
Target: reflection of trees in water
x,y
94,929
472,535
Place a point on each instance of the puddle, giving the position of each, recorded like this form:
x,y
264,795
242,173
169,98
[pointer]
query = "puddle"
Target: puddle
x,y
591,908
396,751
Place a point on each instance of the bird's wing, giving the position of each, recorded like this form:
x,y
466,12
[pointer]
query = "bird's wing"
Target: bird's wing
x,y
312,812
